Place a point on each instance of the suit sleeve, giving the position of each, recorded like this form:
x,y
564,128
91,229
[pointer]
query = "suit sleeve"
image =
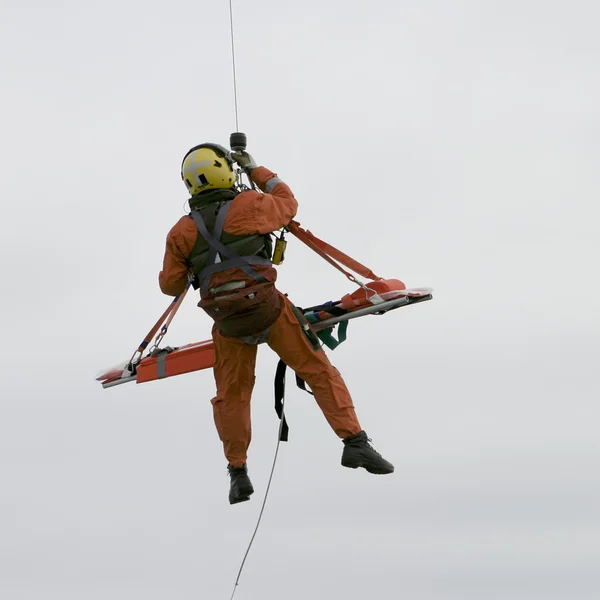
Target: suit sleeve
x,y
253,212
174,275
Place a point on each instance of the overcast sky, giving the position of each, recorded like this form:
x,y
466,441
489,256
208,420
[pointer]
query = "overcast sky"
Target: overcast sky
x,y
452,144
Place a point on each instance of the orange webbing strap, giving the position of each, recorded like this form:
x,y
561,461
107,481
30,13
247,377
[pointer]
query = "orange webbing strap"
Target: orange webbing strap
x,y
176,306
168,314
331,254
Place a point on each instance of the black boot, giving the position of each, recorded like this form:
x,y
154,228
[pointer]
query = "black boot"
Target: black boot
x,y
358,452
241,488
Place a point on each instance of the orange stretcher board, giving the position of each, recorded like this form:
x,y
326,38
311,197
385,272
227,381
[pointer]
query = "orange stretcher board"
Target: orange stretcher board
x,y
168,362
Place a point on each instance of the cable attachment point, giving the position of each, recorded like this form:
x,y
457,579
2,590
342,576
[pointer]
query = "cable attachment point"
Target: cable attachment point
x,y
238,141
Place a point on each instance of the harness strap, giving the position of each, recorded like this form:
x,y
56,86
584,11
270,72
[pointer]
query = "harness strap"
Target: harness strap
x,y
243,263
217,232
279,395
218,248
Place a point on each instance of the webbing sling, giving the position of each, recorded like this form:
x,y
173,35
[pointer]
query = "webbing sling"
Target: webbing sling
x,y
332,255
326,335
217,247
279,394
168,315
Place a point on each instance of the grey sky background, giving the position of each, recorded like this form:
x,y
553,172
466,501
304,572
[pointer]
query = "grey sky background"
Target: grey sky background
x,y
450,144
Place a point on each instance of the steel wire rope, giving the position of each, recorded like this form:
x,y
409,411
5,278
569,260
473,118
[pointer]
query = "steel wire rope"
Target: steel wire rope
x,y
262,508
264,502
235,101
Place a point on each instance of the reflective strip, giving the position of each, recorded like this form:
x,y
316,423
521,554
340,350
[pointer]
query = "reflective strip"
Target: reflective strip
x,y
190,171
194,164
227,287
270,186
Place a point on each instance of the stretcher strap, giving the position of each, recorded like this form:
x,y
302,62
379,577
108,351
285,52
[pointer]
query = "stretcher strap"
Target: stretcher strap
x,y
169,313
331,254
176,306
327,337
161,360
331,308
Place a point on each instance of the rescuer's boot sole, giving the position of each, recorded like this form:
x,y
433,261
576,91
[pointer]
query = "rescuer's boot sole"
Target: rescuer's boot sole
x,y
358,453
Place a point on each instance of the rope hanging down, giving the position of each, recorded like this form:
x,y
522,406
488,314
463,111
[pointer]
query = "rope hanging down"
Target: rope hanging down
x,y
264,500
237,128
331,255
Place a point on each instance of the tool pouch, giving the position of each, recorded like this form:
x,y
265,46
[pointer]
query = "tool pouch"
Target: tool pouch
x,y
243,312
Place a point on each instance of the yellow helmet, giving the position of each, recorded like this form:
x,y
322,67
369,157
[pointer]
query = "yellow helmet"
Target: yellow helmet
x,y
206,167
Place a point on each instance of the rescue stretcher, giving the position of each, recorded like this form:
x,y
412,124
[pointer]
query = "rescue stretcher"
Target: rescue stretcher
x,y
376,297
168,362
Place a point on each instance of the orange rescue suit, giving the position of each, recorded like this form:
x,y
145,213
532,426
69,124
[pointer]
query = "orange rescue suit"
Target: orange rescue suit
x,y
252,212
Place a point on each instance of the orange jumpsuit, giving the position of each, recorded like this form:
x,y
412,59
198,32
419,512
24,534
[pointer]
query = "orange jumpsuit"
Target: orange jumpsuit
x,y
254,213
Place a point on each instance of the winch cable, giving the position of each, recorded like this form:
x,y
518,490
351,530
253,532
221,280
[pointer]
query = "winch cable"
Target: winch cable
x,y
235,101
282,422
262,508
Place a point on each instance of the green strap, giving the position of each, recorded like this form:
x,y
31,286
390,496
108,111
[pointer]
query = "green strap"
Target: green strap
x,y
326,335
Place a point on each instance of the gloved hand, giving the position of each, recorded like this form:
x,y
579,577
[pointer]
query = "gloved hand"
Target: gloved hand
x,y
244,160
